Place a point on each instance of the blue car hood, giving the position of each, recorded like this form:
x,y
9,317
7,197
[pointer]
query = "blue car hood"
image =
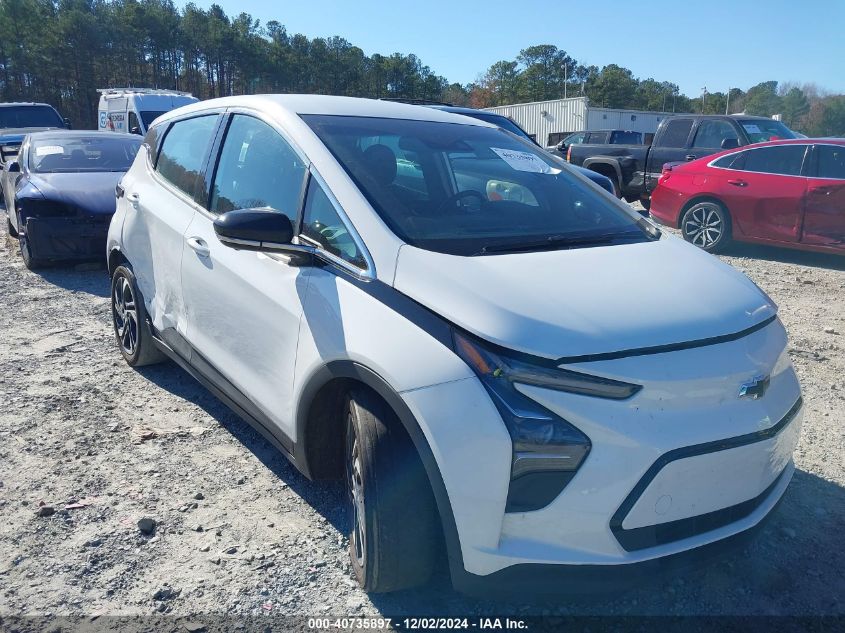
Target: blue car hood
x,y
90,192
15,135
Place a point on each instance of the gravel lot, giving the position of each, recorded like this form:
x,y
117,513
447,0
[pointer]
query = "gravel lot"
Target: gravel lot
x,y
239,531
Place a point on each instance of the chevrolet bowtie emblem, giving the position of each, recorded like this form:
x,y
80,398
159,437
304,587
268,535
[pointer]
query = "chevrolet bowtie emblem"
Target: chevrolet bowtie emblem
x,y
754,388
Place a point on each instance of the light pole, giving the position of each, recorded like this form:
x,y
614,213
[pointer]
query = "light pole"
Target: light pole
x,y
703,98
728,101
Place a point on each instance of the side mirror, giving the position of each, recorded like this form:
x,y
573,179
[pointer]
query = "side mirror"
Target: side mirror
x,y
135,130
67,123
730,143
14,167
262,229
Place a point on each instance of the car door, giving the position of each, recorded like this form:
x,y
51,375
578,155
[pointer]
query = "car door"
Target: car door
x,y
824,210
670,145
244,307
764,191
161,199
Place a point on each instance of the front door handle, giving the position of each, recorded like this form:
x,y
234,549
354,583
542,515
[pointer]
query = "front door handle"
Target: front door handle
x,y
134,199
199,246
690,156
737,182
824,191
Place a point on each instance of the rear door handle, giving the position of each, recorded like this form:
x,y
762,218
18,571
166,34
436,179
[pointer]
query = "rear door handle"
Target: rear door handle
x,y
134,199
690,157
199,246
825,191
736,182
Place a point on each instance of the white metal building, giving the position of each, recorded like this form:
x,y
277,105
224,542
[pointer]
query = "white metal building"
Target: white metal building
x,y
549,121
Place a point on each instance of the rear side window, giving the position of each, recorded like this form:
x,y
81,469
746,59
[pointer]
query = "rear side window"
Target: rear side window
x,y
676,133
731,161
785,160
626,138
596,138
711,134
257,169
831,161
183,152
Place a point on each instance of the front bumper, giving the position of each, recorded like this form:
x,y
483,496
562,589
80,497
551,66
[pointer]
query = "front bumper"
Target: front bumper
x,y
62,239
683,464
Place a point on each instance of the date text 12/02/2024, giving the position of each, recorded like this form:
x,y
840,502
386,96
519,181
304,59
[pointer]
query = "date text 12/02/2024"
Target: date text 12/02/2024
x,y
423,623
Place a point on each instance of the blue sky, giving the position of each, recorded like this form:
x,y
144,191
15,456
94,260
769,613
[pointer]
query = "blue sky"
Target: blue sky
x,y
717,43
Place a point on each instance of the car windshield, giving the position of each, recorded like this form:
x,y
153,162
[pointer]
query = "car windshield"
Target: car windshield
x,y
29,116
761,130
148,116
471,190
82,153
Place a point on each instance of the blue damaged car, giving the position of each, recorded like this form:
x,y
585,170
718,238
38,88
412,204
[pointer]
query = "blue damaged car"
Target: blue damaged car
x,y
60,193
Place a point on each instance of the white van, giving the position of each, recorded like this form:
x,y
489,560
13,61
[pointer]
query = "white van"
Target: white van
x,y
132,110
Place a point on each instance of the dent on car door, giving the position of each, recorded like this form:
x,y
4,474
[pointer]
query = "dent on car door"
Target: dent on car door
x,y
160,203
243,307
764,192
824,214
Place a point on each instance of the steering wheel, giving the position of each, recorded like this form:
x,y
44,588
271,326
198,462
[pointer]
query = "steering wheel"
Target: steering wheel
x,y
469,193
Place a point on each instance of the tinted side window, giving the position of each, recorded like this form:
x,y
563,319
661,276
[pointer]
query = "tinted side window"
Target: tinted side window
x,y
783,159
626,138
322,224
596,138
151,141
676,133
257,168
731,161
831,162
183,151
710,134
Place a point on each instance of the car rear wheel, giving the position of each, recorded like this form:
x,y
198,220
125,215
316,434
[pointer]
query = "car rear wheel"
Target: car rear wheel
x,y
393,535
129,317
707,224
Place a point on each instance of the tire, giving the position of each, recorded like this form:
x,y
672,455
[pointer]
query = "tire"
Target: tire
x,y
129,317
30,260
707,224
393,534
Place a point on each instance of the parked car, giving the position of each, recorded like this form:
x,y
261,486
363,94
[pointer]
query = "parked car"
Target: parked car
x,y
510,125
19,119
482,369
60,193
786,193
601,137
132,110
636,168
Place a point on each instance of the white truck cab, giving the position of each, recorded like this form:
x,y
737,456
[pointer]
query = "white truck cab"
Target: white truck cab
x,y
132,110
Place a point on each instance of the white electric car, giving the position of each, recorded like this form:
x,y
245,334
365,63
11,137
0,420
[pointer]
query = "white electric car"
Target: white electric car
x,y
500,357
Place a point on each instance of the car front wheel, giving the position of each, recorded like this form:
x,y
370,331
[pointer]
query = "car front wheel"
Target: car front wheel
x,y
28,255
393,536
707,225
129,317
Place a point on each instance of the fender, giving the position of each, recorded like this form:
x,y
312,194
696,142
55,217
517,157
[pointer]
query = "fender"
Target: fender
x,y
352,370
611,162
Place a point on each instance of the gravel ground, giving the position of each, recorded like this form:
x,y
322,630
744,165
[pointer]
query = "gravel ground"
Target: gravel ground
x,y
89,447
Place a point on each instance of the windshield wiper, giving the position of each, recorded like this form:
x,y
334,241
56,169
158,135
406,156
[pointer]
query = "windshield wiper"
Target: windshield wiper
x,y
553,242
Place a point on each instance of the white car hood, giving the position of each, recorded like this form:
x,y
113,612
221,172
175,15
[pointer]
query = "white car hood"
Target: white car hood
x,y
586,301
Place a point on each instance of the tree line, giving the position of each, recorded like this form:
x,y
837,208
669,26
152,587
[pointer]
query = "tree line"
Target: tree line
x,y
62,51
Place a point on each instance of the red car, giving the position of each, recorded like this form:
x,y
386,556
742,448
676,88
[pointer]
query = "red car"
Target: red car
x,y
786,193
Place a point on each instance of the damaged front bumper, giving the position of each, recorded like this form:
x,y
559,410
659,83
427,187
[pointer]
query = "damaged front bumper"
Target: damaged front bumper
x,y
62,239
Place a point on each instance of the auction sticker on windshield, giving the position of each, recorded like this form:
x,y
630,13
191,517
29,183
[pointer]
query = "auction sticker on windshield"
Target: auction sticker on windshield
x,y
46,150
524,161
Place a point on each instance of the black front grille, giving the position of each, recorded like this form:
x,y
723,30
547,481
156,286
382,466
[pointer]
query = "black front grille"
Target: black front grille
x,y
651,535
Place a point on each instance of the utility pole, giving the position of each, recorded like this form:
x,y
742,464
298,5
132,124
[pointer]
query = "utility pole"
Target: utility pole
x,y
703,98
728,102
565,78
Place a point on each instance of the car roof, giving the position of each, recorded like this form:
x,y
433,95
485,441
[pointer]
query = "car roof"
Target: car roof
x,y
60,133
328,105
10,104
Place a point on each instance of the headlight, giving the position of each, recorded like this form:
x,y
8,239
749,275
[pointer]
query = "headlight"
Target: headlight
x,y
547,450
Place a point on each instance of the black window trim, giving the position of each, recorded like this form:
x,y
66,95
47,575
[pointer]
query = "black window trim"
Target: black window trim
x,y
805,161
